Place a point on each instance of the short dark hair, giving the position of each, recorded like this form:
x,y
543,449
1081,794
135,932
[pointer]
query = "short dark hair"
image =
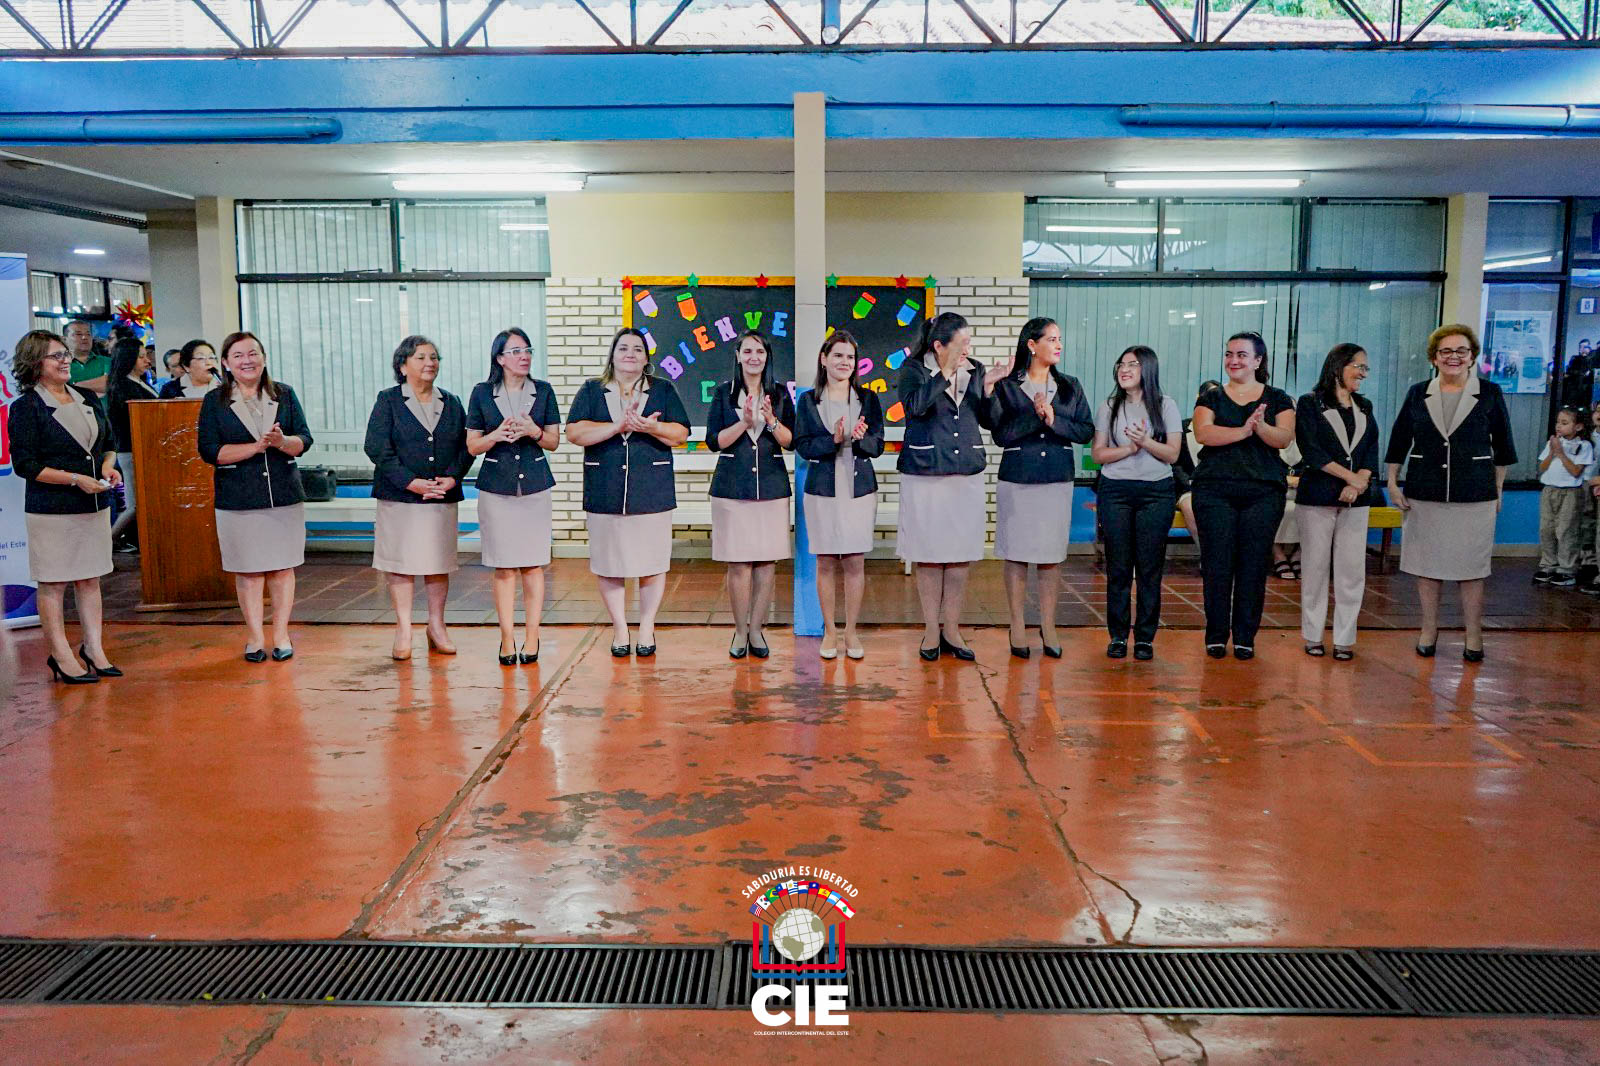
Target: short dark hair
x,y
407,349
186,353
28,355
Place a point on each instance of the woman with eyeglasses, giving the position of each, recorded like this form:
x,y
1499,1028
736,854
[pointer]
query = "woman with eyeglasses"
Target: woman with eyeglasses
x,y
1453,436
197,365
61,446
417,441
512,421
1240,481
627,421
1338,440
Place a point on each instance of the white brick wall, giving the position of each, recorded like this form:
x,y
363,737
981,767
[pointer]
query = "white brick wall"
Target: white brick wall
x,y
582,314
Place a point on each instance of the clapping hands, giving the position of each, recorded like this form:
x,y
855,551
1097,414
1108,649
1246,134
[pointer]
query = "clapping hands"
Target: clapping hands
x,y
1043,408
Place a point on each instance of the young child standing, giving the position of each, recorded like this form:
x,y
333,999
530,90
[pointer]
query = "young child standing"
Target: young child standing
x,y
1562,466
1589,537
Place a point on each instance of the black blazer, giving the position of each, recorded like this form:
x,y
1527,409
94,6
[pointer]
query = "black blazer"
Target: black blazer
x,y
402,449
519,469
748,470
942,436
118,393
1452,464
1036,454
1320,432
39,441
271,479
814,441
632,476
173,390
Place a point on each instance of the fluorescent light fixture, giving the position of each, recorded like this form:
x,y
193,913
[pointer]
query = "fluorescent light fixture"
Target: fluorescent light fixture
x,y
1249,303
88,251
1527,260
1376,285
488,182
1171,231
521,227
363,299
1191,314
1198,180
482,166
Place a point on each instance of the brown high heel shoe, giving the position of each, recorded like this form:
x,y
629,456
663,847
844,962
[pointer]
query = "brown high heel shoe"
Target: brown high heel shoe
x,y
442,649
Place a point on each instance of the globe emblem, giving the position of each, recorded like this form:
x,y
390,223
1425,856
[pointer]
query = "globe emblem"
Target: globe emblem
x,y
799,935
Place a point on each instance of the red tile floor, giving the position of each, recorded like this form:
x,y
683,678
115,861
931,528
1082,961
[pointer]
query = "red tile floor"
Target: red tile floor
x,y
1287,801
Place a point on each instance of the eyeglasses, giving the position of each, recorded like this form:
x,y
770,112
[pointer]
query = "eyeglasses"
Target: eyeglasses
x,y
517,351
1361,368
1453,351
60,357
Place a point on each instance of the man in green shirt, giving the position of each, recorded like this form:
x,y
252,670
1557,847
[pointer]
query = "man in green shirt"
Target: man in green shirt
x,y
88,369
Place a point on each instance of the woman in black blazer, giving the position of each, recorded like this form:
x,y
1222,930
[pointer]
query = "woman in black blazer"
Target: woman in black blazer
x,y
125,381
253,431
943,511
839,431
1453,435
1338,439
627,421
512,421
198,365
417,441
1039,413
61,446
751,423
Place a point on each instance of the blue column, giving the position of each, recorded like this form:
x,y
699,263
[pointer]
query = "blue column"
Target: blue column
x,y
807,609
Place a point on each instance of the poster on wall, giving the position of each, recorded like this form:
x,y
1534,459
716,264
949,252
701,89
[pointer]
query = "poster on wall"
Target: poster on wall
x,y
692,324
18,596
1517,349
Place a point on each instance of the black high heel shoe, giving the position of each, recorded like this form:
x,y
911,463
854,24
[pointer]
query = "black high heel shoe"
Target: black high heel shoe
x,y
966,655
282,655
58,674
99,671
764,649
931,655
1472,655
1051,653
257,656
1018,652
528,660
1427,651
508,660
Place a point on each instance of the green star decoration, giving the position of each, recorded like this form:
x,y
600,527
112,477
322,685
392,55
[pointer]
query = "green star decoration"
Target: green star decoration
x,y
930,282
832,280
694,281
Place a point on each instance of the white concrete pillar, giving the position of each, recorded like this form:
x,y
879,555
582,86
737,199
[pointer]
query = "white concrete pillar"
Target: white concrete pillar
x,y
192,276
218,258
810,231
1466,238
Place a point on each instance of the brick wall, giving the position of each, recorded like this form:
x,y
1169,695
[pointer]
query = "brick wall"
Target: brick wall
x,y
581,314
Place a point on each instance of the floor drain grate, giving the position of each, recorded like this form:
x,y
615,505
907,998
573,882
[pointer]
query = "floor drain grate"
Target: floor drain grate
x,y
1338,981
1546,983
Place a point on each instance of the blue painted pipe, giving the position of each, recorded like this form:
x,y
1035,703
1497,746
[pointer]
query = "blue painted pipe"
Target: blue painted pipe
x,y
1552,118
163,129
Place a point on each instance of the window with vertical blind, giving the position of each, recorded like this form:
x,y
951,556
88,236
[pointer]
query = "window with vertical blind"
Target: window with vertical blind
x,y
1305,274
331,288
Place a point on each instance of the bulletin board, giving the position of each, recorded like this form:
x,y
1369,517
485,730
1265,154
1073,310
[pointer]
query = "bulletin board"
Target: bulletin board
x,y
691,325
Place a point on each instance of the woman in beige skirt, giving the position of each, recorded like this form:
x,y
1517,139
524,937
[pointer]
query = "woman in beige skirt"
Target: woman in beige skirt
x,y
61,446
512,421
839,431
749,425
417,441
943,518
1453,436
253,431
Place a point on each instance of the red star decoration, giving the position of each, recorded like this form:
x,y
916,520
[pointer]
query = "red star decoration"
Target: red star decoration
x,y
901,282
627,283
761,281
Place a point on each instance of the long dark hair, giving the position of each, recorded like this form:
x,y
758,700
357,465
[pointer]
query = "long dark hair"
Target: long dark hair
x,y
124,357
1259,345
1149,385
268,387
1326,391
497,373
609,374
1032,330
738,368
838,336
942,330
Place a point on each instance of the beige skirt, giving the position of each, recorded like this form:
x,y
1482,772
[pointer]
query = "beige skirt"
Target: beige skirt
x,y
840,525
1448,541
415,538
263,539
1032,523
632,545
514,530
749,531
942,519
68,547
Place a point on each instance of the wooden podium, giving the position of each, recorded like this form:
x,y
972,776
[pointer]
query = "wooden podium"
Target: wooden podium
x,y
180,566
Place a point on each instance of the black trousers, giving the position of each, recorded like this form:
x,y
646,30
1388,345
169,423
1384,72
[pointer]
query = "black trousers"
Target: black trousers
x,y
1237,521
1135,517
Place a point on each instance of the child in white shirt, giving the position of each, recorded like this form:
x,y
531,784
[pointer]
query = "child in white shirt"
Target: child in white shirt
x,y
1563,463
